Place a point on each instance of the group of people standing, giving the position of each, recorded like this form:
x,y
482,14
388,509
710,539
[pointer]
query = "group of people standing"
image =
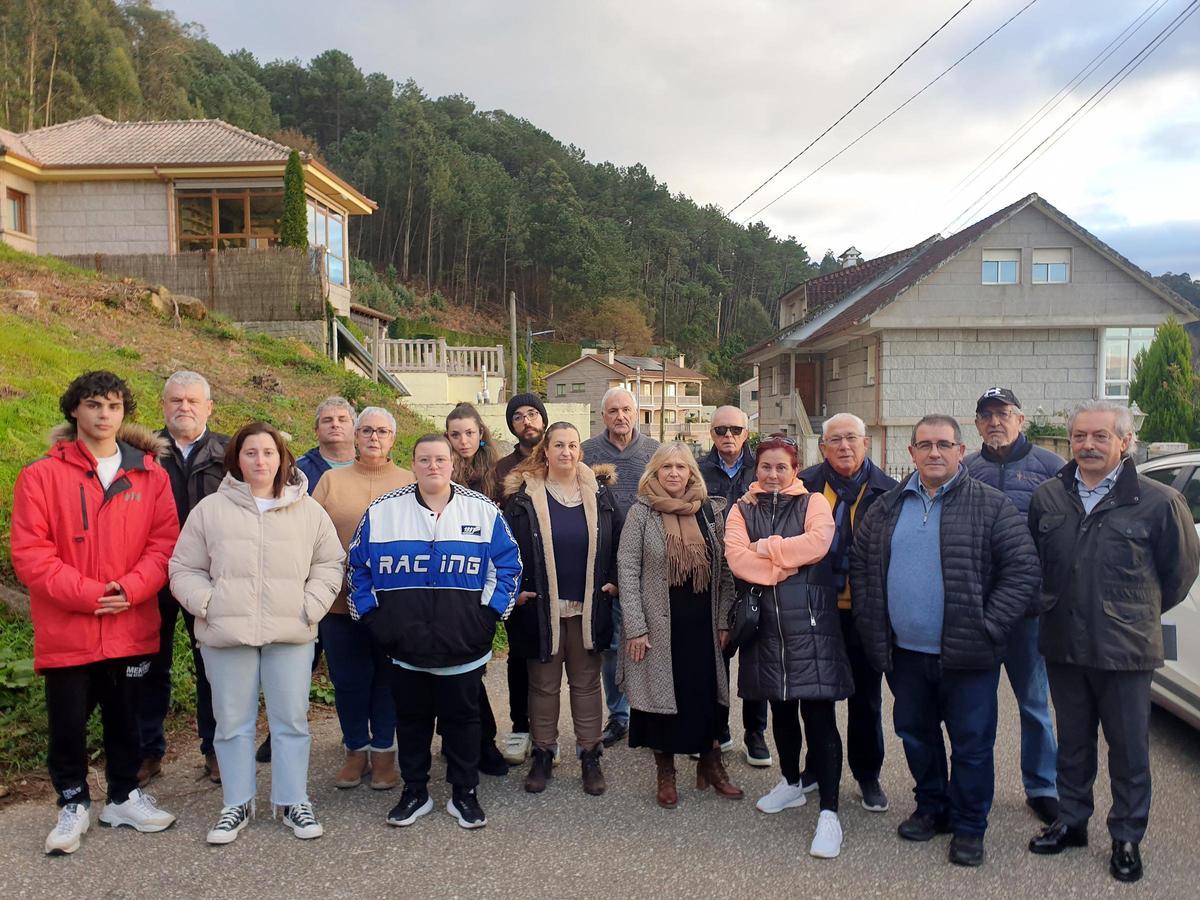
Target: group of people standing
x,y
620,562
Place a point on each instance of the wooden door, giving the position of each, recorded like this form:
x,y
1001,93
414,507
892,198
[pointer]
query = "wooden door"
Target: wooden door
x,y
806,385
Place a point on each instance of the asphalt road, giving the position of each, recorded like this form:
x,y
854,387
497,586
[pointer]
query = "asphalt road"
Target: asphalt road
x,y
564,843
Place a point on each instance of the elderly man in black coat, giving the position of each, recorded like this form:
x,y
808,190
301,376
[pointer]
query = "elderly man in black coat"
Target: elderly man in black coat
x,y
1118,550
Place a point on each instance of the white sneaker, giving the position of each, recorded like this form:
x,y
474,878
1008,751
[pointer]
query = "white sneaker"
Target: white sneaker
x,y
827,842
139,811
299,817
232,820
516,748
73,822
782,796
557,755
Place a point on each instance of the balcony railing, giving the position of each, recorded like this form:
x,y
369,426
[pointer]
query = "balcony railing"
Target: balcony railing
x,y
418,355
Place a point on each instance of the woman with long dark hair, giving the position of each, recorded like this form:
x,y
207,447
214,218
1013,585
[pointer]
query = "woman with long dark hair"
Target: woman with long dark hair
x,y
475,453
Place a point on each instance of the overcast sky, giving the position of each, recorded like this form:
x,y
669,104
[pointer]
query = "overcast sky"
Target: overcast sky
x,y
714,96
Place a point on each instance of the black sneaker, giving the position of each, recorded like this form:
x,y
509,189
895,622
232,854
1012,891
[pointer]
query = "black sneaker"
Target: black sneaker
x,y
757,753
873,797
966,850
464,806
725,740
920,827
263,753
413,804
614,731
491,762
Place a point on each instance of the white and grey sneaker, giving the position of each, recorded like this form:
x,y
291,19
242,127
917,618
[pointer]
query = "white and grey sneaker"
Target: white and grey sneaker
x,y
299,817
139,811
827,842
232,820
782,796
516,748
73,822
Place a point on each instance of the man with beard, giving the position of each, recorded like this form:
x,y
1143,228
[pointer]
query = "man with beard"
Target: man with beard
x,y
526,418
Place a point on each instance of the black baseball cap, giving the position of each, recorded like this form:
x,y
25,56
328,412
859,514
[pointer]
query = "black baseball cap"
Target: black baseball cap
x,y
997,395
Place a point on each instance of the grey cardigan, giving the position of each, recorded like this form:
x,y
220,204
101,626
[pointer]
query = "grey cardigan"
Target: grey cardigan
x,y
646,605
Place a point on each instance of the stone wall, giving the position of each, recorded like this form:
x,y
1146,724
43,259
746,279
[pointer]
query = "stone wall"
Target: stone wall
x,y
119,217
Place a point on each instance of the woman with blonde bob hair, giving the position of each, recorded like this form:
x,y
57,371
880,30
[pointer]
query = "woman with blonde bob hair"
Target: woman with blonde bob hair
x,y
676,592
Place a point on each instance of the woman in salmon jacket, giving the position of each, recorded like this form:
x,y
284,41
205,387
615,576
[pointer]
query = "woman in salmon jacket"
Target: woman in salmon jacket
x,y
776,542
258,564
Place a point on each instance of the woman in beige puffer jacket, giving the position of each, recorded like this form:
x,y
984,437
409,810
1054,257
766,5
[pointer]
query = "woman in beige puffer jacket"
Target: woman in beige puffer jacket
x,y
258,564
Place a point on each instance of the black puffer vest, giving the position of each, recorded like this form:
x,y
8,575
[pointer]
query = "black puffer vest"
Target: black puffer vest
x,y
800,653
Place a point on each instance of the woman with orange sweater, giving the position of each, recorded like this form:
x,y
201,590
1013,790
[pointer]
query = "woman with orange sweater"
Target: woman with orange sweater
x,y
776,540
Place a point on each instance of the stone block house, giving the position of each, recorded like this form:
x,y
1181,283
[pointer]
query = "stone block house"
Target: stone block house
x,y
681,414
1025,298
95,186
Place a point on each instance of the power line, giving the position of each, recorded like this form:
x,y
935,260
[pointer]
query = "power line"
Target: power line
x,y
1051,104
927,86
852,108
1084,108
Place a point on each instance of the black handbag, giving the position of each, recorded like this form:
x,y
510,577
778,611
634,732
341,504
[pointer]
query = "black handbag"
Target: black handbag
x,y
744,617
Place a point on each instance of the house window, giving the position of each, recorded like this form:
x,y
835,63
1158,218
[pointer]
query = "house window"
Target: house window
x,y
647,417
1051,266
560,390
17,209
691,389
753,395
647,389
1001,266
577,387
671,389
228,219
872,350
1121,346
835,368
327,228
669,416
774,380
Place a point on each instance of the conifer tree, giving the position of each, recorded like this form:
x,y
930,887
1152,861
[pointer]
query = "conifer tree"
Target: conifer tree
x,y
293,224
1164,386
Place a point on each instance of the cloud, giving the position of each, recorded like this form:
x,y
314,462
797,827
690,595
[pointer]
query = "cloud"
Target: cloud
x,y
1162,247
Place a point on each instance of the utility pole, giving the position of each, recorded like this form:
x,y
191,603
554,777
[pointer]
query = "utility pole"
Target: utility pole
x,y
530,334
662,406
512,329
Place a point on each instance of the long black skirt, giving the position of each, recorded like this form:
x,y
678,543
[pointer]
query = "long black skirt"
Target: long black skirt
x,y
694,670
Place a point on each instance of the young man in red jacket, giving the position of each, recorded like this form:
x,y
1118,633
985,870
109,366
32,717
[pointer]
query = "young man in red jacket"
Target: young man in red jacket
x,y
93,525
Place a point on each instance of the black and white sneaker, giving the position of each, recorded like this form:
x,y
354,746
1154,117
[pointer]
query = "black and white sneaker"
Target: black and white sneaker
x,y
232,820
413,804
299,817
464,806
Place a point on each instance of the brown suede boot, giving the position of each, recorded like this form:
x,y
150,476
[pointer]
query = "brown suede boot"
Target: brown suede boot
x,y
541,770
711,771
212,768
384,774
667,796
150,769
351,774
593,778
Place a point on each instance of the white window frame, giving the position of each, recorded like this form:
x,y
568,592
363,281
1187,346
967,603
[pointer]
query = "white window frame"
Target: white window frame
x,y
999,257
560,390
835,368
872,363
1135,338
1044,263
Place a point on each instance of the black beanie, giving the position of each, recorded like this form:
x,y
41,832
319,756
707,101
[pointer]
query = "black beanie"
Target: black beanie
x,y
524,400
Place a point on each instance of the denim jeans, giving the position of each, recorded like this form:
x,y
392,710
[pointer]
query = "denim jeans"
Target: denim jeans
x,y
284,673
614,697
362,684
1027,674
155,699
926,696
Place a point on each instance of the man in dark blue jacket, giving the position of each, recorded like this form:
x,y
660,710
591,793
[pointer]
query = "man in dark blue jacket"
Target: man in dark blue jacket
x,y
851,483
728,472
335,440
1010,463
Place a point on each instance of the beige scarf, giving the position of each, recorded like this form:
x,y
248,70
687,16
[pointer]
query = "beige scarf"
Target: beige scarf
x,y
687,551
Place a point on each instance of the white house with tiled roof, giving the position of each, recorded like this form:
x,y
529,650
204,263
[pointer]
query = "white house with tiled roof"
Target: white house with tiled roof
x,y
93,185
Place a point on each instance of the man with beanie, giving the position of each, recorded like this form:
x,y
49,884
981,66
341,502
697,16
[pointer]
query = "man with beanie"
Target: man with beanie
x,y
527,420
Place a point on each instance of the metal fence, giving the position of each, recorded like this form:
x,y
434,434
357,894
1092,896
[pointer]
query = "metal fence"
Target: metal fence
x,y
276,285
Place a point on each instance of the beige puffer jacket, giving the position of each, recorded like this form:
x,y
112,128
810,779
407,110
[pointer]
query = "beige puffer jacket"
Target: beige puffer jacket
x,y
254,578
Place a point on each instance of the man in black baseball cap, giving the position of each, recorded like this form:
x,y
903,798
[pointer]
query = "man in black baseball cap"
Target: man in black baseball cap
x,y
1000,395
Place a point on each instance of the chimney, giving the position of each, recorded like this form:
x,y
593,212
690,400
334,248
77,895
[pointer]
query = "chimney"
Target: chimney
x,y
679,361
851,257
611,356
587,351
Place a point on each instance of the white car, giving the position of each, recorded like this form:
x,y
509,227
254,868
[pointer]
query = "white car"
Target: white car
x,y
1176,686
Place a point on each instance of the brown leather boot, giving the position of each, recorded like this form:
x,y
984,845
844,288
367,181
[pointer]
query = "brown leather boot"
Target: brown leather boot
x,y
711,771
667,796
212,768
540,771
384,775
351,774
150,769
593,778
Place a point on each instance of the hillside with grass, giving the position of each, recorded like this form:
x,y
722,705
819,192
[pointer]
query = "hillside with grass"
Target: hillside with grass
x,y
81,321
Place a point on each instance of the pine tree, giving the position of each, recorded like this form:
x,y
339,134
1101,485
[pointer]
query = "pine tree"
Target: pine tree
x,y
1164,386
293,224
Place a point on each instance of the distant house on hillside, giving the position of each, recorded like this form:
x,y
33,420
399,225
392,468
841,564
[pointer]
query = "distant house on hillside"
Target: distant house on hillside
x,y
94,186
586,379
1025,298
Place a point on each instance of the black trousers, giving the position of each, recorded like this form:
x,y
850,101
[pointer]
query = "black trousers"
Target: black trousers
x,y
518,693
824,744
453,700
864,713
754,712
72,693
1119,702
155,698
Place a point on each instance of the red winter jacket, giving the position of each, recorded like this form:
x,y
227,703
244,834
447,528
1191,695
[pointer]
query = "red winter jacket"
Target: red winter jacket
x,y
70,538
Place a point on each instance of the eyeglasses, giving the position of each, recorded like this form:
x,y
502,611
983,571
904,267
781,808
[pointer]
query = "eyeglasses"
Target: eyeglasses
x,y
781,438
996,415
531,417
843,440
943,446
368,432
723,430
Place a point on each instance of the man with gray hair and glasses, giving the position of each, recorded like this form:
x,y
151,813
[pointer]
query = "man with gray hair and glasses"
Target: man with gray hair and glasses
x,y
196,464
851,483
1117,550
335,440
941,569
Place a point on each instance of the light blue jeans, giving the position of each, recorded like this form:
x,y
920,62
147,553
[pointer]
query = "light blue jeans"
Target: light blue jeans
x,y
1026,670
283,672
